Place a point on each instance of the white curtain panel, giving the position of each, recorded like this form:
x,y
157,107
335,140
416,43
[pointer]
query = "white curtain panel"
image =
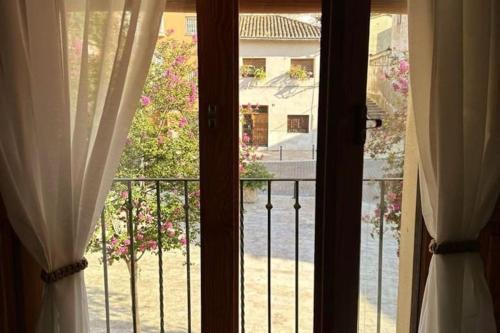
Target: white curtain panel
x,y
71,74
455,59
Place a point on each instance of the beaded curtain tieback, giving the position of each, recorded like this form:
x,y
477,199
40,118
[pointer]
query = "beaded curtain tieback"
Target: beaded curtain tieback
x,y
454,247
65,271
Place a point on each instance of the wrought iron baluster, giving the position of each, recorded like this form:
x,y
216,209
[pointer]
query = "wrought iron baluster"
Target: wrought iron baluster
x,y
188,252
269,206
296,206
160,254
242,258
380,254
105,269
130,227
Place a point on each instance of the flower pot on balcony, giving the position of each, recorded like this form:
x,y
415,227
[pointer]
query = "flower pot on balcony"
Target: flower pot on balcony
x,y
249,195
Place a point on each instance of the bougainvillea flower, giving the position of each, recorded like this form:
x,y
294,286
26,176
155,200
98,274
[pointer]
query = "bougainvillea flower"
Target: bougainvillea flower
x,y
404,66
145,100
179,60
183,122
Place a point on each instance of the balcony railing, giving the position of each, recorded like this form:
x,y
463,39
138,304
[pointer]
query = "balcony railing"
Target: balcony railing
x,y
183,188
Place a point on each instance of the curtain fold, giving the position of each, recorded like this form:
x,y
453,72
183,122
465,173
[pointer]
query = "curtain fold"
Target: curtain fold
x,y
70,80
455,56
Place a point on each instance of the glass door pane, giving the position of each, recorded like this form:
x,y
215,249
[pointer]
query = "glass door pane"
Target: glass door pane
x,y
387,92
279,61
147,243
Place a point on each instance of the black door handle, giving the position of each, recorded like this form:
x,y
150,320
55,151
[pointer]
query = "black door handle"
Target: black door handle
x,y
361,118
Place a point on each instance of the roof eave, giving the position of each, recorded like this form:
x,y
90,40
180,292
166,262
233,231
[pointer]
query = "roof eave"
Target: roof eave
x,y
281,39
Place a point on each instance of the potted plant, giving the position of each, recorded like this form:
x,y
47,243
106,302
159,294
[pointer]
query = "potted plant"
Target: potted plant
x,y
251,71
259,74
246,71
298,73
257,170
250,167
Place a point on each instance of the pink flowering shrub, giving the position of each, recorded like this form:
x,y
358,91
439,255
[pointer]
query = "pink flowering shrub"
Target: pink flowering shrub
x,y
149,231
163,138
162,142
387,142
391,210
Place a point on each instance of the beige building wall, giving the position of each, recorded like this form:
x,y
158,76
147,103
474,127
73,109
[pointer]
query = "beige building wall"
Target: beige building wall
x,y
380,32
381,26
400,32
283,95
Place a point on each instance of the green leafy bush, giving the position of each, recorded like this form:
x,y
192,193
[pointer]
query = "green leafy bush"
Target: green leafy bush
x,y
252,71
298,73
255,170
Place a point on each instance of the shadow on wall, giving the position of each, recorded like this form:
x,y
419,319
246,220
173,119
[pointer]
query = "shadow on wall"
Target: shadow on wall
x,y
285,86
295,141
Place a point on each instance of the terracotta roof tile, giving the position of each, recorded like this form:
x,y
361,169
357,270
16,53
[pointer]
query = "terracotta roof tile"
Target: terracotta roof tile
x,y
258,26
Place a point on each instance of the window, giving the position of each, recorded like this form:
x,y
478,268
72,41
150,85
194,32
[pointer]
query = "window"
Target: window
x,y
161,33
298,124
253,67
305,65
190,25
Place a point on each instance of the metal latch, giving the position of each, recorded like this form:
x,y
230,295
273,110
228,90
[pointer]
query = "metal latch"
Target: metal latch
x,y
212,116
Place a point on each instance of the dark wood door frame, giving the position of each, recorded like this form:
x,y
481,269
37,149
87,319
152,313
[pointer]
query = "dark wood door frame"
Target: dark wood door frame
x,y
344,58
20,285
490,252
219,128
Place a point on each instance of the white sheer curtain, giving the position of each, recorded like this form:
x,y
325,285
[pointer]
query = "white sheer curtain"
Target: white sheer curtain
x,y
71,74
455,59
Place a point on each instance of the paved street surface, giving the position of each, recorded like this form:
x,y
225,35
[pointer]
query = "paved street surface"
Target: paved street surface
x,y
282,289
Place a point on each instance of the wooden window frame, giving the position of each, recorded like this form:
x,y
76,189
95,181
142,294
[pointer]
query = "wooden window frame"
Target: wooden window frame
x,y
287,6
218,59
341,125
300,118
